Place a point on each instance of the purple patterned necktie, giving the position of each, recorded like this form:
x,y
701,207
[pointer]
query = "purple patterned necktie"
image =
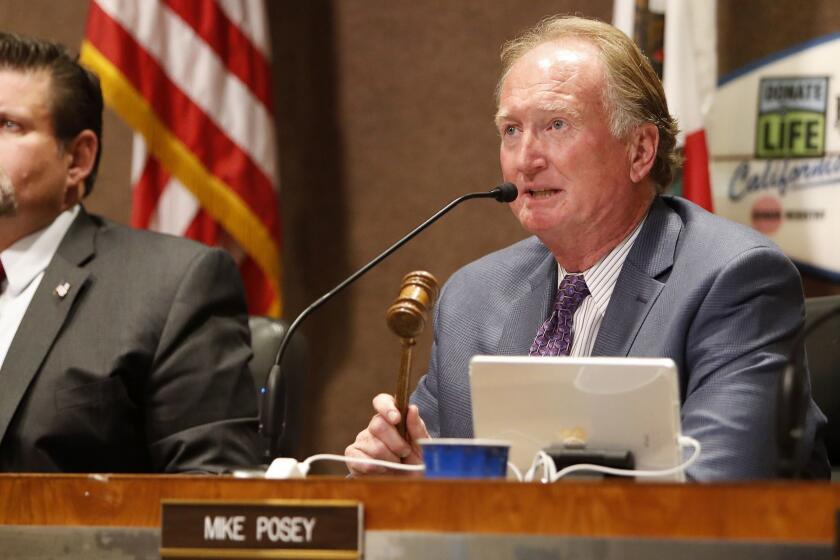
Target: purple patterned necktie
x,y
555,335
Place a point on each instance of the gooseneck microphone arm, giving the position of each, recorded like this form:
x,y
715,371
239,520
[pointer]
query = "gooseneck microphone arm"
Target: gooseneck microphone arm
x,y
505,192
791,404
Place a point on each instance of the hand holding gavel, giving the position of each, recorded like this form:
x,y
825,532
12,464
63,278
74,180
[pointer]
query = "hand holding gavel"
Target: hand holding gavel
x,y
406,318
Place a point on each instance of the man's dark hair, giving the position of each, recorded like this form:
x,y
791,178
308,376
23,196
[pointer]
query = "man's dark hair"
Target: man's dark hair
x,y
76,98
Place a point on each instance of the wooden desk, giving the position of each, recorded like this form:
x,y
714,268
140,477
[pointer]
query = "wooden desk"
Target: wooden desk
x,y
764,513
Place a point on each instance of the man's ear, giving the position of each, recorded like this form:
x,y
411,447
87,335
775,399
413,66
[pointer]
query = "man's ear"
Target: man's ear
x,y
644,141
80,154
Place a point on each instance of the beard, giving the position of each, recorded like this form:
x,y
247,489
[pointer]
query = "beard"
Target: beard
x,y
8,200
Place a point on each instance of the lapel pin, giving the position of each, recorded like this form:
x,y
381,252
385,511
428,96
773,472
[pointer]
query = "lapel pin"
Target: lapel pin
x,y
62,289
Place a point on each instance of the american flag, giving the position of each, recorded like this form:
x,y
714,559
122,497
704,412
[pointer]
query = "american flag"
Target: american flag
x,y
192,78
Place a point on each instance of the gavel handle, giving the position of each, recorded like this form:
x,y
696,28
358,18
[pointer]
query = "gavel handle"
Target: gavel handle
x,y
403,383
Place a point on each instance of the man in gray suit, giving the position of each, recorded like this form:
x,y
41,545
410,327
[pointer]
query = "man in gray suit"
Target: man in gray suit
x,y
587,138
120,350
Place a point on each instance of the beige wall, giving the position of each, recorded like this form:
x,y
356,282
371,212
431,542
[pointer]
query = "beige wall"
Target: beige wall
x,y
384,112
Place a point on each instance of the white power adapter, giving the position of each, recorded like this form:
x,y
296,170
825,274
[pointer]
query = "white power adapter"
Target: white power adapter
x,y
286,467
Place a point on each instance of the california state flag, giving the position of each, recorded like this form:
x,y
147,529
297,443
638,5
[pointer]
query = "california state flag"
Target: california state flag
x,y
689,78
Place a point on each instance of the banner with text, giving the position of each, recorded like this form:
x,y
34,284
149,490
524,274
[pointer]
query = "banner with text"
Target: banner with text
x,y
775,144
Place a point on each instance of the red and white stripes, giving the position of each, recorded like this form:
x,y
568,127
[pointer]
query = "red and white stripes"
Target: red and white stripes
x,y
192,77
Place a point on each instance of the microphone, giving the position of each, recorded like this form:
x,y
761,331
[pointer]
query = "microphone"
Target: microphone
x,y
505,192
792,404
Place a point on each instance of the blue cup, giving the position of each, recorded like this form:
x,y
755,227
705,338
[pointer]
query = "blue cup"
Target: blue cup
x,y
465,458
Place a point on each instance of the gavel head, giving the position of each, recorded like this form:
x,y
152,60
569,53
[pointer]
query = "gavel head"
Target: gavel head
x,y
407,315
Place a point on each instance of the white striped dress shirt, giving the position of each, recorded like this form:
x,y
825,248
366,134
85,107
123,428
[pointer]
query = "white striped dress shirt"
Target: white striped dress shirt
x,y
600,279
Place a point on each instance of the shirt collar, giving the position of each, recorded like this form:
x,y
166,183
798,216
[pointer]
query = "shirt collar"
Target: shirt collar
x,y
601,277
28,257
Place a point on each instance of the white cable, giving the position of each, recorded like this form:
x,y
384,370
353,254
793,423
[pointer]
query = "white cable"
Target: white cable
x,y
304,466
541,459
551,474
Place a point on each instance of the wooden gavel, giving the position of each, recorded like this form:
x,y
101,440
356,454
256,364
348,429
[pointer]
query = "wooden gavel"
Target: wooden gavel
x,y
406,318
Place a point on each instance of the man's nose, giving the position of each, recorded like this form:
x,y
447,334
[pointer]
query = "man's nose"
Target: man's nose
x,y
532,157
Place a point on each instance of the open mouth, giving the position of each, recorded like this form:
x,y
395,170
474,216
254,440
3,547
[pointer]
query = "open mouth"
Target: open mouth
x,y
541,193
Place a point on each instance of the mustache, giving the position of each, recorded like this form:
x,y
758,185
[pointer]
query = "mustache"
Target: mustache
x,y
8,199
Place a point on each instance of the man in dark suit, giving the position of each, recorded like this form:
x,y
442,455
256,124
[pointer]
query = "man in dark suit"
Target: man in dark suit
x,y
120,350
587,138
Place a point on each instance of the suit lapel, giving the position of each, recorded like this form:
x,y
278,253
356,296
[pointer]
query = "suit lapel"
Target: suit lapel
x,y
640,281
46,314
630,303
529,310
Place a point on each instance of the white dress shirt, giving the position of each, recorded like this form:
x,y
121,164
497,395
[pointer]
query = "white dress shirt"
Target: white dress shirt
x,y
25,262
600,279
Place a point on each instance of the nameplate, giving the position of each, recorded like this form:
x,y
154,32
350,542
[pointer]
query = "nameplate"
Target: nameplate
x,y
261,529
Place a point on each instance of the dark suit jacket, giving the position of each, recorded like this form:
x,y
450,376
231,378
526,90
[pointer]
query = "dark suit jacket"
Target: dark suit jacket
x,y
718,298
141,367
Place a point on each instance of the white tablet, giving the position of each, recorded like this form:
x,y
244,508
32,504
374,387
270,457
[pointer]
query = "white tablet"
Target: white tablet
x,y
605,404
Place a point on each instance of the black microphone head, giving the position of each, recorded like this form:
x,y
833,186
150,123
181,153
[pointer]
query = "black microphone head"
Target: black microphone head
x,y
506,192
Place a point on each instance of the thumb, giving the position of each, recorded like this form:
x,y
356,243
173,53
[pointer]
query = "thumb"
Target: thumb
x,y
416,430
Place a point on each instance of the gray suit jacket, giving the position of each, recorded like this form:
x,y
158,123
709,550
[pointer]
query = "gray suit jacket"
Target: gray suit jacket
x,y
718,298
141,367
